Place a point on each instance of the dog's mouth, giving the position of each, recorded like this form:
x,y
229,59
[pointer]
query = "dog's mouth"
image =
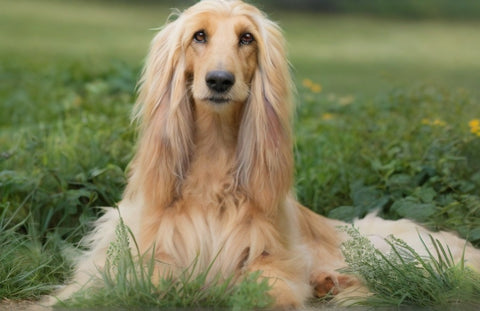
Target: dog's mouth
x,y
218,100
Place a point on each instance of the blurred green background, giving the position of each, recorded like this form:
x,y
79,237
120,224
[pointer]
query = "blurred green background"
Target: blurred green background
x,y
346,46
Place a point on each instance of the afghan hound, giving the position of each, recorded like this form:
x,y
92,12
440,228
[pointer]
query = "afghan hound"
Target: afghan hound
x,y
212,176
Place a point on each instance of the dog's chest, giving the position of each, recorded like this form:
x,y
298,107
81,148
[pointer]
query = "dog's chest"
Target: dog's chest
x,y
204,226
210,183
210,217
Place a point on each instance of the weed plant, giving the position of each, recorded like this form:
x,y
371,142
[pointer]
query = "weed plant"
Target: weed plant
x,y
127,281
30,267
403,277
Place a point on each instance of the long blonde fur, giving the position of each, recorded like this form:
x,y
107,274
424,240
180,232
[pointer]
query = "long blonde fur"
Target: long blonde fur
x,y
212,182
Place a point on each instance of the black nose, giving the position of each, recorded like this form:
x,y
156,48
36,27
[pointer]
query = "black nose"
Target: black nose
x,y
220,81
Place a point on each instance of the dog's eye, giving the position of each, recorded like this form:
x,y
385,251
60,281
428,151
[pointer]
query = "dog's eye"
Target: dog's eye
x,y
246,38
200,37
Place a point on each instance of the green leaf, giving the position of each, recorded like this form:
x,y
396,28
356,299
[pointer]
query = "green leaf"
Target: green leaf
x,y
399,181
410,208
474,235
425,194
345,213
363,195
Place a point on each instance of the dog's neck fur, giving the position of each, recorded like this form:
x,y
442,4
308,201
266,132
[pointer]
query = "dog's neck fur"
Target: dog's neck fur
x,y
213,158
216,128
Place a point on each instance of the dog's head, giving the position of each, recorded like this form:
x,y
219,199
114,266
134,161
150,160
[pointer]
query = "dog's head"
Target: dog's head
x,y
221,57
218,53
213,52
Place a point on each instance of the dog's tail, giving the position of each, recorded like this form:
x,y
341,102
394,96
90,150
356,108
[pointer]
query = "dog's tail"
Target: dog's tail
x,y
417,237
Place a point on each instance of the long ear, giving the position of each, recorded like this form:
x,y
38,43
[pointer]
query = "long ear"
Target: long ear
x,y
265,142
164,113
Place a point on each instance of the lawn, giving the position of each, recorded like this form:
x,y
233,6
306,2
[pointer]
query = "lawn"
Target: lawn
x,y
388,119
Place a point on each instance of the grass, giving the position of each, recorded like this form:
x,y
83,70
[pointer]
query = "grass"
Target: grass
x,y
30,267
409,153
127,282
386,121
403,277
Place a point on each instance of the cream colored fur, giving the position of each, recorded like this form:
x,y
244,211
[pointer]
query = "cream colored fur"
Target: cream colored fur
x,y
213,181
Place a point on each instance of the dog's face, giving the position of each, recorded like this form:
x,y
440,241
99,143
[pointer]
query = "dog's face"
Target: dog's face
x,y
221,59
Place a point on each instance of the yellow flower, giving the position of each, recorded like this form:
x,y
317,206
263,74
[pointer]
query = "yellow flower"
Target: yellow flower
x,y
474,126
307,83
425,121
439,122
327,116
474,123
316,88
436,122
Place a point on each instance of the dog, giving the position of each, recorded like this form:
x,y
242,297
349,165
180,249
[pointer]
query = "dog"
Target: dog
x,y
212,176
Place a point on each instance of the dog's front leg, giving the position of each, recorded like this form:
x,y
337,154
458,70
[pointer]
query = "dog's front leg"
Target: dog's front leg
x,y
287,278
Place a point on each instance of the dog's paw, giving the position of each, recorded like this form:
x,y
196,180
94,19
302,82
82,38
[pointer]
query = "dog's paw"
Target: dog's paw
x,y
286,301
287,295
325,283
